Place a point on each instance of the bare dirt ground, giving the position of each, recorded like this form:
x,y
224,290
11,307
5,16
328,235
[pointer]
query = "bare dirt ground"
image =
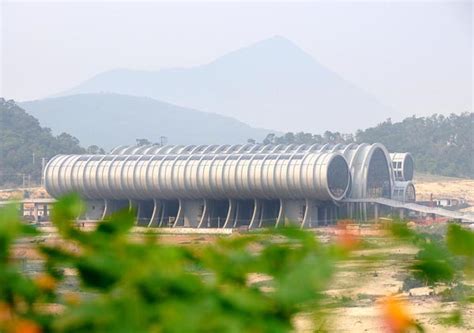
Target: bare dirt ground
x,y
362,283
12,194
445,187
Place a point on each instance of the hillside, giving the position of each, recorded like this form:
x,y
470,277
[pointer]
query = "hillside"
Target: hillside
x,y
23,143
440,145
270,84
109,120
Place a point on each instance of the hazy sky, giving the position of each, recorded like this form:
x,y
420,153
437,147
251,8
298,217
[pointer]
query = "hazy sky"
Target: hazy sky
x,y
415,57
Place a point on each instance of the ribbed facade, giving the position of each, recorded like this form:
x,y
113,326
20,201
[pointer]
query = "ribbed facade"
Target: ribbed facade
x,y
370,165
321,176
404,191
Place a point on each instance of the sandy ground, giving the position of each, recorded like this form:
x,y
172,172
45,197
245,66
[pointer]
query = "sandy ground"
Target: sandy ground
x,y
364,283
442,187
12,194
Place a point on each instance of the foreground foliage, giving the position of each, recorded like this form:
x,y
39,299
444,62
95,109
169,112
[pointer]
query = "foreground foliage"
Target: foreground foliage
x,y
443,261
257,282
147,286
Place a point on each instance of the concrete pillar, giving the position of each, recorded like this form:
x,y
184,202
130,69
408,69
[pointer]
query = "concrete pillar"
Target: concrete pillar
x,y
192,212
45,211
22,209
376,212
95,209
294,211
325,215
315,219
402,213
35,212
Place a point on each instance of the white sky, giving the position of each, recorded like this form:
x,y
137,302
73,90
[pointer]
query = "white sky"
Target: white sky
x,y
415,57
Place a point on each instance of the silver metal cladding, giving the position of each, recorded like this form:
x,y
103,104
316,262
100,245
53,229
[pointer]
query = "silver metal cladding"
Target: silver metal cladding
x,y
181,174
403,166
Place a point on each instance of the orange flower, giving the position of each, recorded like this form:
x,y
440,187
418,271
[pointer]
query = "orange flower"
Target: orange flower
x,y
45,282
5,313
26,326
395,315
345,238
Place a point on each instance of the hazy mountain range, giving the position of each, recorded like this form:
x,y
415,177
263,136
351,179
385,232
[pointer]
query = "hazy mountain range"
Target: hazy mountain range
x,y
272,79
109,120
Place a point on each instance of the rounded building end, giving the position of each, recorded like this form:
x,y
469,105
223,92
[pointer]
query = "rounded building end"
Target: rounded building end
x,y
338,177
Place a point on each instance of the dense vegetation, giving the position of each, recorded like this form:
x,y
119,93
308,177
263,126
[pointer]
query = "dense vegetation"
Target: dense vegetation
x,y
257,282
23,144
441,145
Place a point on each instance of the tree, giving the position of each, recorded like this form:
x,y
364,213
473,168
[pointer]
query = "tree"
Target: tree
x,y
21,137
93,150
143,142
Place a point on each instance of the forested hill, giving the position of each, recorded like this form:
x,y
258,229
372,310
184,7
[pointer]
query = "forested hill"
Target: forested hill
x,y
441,145
23,143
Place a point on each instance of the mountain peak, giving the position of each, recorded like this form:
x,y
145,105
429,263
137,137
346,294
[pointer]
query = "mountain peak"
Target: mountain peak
x,y
271,83
273,50
276,40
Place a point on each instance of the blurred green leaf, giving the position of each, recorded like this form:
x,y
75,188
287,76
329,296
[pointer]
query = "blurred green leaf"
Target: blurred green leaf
x,y
460,241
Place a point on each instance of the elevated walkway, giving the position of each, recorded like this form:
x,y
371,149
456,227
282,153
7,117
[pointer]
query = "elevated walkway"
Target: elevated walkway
x,y
463,217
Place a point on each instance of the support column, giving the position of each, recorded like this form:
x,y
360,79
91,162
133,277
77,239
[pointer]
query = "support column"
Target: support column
x,y
190,213
315,217
402,213
305,223
154,216
229,221
257,207
132,204
204,221
179,221
281,214
35,212
45,211
294,211
376,212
